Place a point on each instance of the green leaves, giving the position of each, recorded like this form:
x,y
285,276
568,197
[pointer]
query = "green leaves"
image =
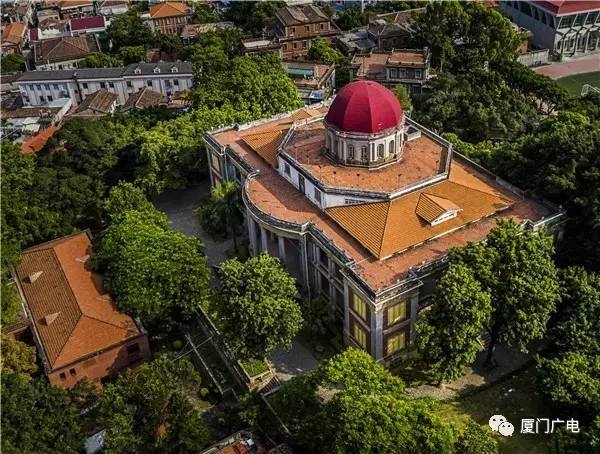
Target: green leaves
x,y
155,273
257,306
448,332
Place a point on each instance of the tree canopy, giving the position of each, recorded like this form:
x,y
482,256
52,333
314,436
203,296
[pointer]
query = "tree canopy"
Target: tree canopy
x,y
17,358
154,409
515,268
253,16
448,332
155,273
257,306
37,417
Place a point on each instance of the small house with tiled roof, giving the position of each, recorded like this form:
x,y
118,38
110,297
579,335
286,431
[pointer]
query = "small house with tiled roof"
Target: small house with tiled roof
x,y
145,98
78,330
63,53
169,17
98,103
13,37
362,204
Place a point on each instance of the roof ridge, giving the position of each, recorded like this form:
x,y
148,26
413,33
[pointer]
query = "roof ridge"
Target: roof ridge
x,y
76,304
385,226
503,197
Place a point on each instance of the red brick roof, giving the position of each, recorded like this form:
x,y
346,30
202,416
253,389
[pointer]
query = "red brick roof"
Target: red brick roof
x,y
167,9
85,23
36,143
13,33
71,312
560,7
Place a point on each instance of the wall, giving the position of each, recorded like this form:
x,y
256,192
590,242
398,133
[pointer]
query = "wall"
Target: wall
x,y
105,364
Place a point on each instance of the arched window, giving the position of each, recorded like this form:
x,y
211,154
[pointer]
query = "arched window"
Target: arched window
x,y
392,147
364,153
351,152
380,151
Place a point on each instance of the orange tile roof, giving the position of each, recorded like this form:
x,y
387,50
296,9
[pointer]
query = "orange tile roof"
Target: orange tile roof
x,y
275,196
422,158
13,33
167,9
70,310
385,228
74,3
431,207
36,143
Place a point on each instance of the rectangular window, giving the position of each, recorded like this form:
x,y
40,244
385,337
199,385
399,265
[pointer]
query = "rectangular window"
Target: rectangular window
x,y
149,83
111,84
322,25
301,184
176,82
102,84
323,259
84,85
63,376
317,196
295,45
304,44
133,349
55,86
293,29
418,73
359,306
129,85
359,335
395,342
393,73
215,162
396,313
50,98
324,287
307,28
286,168
402,73
47,86
72,372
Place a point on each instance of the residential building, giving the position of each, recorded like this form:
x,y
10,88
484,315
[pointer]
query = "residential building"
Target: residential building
x,y
19,11
315,82
144,99
256,46
63,53
28,121
78,330
385,32
85,25
112,8
39,87
13,38
99,103
569,28
361,204
190,32
295,27
75,8
169,17
46,14
404,66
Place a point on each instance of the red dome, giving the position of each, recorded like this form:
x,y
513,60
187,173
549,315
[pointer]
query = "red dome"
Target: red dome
x,y
366,107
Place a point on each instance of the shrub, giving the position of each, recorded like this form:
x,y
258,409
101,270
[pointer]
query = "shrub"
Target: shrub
x,y
177,344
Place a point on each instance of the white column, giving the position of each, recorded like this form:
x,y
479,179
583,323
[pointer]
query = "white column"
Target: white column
x,y
281,245
263,239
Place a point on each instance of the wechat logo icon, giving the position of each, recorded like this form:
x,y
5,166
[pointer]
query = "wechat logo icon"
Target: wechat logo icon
x,y
498,423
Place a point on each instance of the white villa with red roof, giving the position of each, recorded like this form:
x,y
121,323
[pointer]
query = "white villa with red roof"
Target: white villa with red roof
x,y
362,204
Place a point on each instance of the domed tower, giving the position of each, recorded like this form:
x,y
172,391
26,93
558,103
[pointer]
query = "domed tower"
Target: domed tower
x,y
365,126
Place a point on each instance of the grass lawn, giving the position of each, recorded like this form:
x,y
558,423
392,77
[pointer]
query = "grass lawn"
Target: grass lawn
x,y
575,82
514,398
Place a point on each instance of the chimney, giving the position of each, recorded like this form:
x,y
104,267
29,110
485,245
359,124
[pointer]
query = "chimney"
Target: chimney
x,y
34,276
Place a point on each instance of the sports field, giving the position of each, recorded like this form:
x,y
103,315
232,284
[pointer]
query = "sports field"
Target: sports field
x,y
575,82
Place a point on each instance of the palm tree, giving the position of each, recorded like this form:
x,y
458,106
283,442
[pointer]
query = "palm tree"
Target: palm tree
x,y
226,199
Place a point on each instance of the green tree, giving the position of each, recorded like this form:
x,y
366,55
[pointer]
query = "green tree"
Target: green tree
x,y
204,13
257,306
515,268
153,410
12,63
125,197
258,85
351,404
476,440
156,274
222,211
129,30
132,54
253,16
403,96
321,50
171,44
101,60
17,358
38,418
448,332
351,18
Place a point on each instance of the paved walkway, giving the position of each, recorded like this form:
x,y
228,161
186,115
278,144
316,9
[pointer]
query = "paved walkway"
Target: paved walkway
x,y
581,65
295,362
179,206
